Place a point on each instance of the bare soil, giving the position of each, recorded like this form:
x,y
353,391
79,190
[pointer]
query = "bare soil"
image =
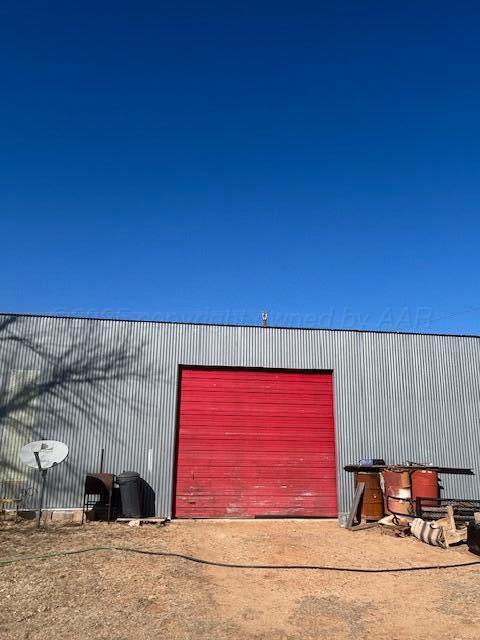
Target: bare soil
x,y
122,596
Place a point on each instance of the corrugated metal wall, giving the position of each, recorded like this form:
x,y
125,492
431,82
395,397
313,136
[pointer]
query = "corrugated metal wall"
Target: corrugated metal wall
x,y
113,385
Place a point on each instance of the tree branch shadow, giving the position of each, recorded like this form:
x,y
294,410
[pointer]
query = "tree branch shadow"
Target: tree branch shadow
x,y
55,381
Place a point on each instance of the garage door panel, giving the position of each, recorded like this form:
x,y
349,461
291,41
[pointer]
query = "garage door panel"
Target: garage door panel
x,y
256,387
235,438
271,410
266,480
212,373
255,430
307,422
300,509
262,445
249,501
262,441
252,500
255,443
282,475
280,462
249,451
224,398
265,487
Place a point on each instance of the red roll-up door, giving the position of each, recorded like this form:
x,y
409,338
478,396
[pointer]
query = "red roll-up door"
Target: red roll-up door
x,y
255,443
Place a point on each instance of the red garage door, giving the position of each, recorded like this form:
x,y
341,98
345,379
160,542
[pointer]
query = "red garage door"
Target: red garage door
x,y
255,443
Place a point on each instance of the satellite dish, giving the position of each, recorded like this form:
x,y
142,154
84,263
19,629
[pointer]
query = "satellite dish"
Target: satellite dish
x,y
43,455
49,452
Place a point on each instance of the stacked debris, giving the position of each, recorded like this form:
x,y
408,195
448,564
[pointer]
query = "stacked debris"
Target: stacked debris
x,y
406,500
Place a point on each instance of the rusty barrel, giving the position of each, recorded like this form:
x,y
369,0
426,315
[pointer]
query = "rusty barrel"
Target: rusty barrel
x,y
372,503
397,492
425,485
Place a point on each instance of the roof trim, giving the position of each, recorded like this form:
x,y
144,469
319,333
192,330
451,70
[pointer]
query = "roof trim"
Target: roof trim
x,y
240,326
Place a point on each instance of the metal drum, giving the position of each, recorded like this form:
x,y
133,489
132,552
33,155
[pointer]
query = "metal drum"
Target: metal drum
x,y
425,485
397,492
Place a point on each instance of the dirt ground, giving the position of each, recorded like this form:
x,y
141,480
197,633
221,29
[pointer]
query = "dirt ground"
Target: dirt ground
x,y
121,596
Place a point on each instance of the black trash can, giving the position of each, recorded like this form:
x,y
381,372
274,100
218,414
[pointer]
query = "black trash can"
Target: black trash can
x,y
473,538
130,494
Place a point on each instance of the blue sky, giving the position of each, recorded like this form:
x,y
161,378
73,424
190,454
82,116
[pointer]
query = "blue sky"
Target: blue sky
x,y
205,161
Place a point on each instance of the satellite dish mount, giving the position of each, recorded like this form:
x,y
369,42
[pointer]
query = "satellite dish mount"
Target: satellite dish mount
x,y
43,473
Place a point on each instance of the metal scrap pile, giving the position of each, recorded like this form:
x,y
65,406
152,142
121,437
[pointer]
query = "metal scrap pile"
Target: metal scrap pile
x,y
406,500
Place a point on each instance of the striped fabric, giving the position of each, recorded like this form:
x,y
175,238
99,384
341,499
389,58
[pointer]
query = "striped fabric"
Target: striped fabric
x,y
428,532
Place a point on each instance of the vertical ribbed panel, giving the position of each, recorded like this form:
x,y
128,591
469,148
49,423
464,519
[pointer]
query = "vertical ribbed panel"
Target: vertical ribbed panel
x,y
396,396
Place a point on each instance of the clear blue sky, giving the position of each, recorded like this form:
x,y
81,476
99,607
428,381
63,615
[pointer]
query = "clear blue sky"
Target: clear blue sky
x,y
206,160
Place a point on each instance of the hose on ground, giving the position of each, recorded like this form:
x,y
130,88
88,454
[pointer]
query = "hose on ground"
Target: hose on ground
x,y
230,565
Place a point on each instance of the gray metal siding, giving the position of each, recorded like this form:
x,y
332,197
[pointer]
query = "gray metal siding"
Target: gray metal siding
x,y
397,396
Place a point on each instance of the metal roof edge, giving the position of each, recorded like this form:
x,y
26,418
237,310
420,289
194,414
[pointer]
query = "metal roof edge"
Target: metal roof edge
x,y
241,326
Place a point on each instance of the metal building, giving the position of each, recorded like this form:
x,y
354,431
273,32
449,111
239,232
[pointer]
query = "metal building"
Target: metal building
x,y
233,420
